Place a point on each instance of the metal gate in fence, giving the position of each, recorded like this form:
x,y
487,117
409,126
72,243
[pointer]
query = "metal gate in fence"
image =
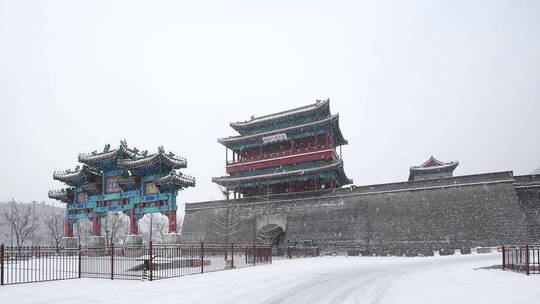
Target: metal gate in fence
x,y
149,261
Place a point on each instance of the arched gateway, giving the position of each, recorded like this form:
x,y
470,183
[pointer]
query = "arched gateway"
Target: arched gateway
x,y
270,235
121,180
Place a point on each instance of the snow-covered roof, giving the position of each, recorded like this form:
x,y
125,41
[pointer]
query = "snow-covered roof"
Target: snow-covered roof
x,y
228,180
79,172
452,164
176,178
319,105
168,158
332,119
433,164
62,195
107,154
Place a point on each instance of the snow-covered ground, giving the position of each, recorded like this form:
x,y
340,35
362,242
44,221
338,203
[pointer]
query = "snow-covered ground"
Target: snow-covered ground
x,y
449,279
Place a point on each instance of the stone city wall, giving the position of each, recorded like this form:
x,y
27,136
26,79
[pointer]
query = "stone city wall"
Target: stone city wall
x,y
411,218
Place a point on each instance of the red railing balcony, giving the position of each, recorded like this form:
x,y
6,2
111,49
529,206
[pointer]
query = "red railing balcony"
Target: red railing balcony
x,y
284,158
296,150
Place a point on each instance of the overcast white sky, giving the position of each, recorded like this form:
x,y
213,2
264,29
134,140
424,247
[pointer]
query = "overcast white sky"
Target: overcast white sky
x,y
456,79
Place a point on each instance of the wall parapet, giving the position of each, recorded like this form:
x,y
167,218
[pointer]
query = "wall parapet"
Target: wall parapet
x,y
440,183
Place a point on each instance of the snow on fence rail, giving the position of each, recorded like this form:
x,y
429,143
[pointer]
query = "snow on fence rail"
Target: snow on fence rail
x,y
523,258
149,261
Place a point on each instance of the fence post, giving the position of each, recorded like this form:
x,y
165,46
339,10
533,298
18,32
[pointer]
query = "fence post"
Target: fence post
x,y
80,262
2,264
151,260
254,256
503,258
527,258
202,257
232,255
112,261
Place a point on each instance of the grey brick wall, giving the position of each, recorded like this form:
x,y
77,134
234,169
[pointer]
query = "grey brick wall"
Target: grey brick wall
x,y
409,218
528,192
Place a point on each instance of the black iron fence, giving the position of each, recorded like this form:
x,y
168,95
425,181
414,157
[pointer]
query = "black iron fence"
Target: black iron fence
x,y
149,261
524,258
36,264
295,252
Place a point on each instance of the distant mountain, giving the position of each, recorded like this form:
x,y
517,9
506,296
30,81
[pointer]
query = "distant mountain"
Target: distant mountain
x,y
537,171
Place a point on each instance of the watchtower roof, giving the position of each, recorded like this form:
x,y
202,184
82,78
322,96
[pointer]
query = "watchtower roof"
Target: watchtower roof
x,y
332,120
322,106
432,166
433,163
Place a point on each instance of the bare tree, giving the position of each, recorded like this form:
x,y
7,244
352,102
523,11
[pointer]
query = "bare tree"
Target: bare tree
x,y
21,221
4,225
83,227
179,223
55,225
116,227
160,227
226,225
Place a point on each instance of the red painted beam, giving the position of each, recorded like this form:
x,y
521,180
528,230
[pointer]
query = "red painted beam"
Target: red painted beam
x,y
282,161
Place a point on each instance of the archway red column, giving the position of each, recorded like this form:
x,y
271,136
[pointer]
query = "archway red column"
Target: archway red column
x,y
172,221
133,229
68,229
96,225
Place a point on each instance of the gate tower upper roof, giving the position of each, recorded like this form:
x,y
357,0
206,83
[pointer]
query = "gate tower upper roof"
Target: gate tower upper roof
x,y
321,108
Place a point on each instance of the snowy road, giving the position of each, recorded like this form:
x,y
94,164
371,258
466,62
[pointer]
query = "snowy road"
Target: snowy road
x,y
406,280
316,280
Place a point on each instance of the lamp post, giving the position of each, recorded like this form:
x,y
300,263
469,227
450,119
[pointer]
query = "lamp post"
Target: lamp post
x,y
12,221
33,223
151,225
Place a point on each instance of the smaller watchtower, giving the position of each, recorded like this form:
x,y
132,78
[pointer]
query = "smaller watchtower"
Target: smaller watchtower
x,y
432,168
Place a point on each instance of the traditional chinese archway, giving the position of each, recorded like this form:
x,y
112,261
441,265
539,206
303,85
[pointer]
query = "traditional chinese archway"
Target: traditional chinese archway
x,y
122,180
